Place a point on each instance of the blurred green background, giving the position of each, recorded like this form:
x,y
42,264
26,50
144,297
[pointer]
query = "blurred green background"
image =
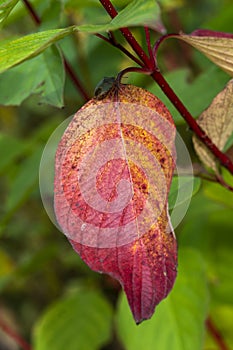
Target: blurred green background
x,y
47,293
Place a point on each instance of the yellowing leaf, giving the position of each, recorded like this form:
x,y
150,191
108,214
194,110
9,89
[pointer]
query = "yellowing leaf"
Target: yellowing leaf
x,y
217,122
81,320
218,47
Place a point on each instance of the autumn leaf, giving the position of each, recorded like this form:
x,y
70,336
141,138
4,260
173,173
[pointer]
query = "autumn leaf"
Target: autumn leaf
x,y
217,122
217,46
113,171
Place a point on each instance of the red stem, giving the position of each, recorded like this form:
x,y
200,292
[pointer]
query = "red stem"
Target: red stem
x,y
160,40
131,69
225,161
111,40
32,12
150,51
13,335
75,80
128,35
68,67
222,182
216,335
157,76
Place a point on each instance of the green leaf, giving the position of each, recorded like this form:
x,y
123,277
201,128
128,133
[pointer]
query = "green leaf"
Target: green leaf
x,y
179,320
16,51
81,321
45,76
5,8
138,12
54,75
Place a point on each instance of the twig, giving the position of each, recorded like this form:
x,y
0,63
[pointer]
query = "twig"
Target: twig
x,y
32,12
201,172
128,35
225,161
131,69
75,80
159,42
16,337
158,77
111,40
216,335
150,51
36,18
222,182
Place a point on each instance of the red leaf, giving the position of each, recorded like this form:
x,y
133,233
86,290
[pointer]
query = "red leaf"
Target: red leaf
x,y
114,166
146,268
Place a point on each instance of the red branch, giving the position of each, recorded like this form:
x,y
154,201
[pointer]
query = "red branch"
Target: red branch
x,y
111,40
150,51
75,80
32,12
36,18
225,161
216,335
16,337
128,35
157,76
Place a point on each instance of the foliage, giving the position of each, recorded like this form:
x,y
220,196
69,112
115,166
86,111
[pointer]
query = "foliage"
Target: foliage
x,y
46,289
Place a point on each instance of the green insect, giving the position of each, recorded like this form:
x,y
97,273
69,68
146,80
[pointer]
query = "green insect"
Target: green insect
x,y
103,87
